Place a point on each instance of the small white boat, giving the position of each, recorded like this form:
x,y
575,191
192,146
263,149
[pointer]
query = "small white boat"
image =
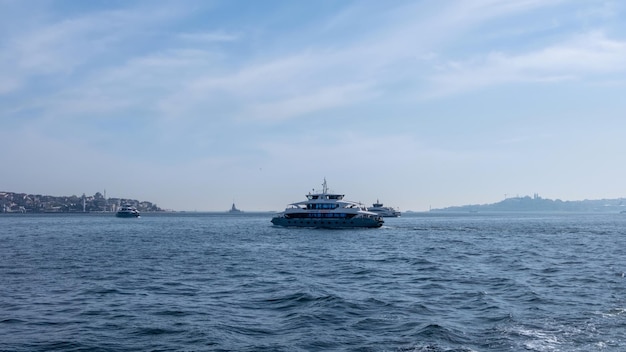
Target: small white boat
x,y
127,211
384,211
327,210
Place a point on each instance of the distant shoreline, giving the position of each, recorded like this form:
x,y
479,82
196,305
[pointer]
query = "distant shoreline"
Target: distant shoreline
x,y
12,202
538,204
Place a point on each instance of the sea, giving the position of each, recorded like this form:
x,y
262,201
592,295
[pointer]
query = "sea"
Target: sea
x,y
219,282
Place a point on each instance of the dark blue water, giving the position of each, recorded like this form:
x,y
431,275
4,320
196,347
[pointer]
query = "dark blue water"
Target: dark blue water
x,y
181,282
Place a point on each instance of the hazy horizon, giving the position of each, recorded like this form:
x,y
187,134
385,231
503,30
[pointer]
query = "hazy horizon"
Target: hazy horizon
x,y
226,209
193,105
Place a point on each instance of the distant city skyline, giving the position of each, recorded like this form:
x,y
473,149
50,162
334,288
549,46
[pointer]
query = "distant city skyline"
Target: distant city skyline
x,y
193,105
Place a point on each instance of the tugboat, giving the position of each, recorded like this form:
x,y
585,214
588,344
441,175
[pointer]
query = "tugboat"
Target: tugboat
x,y
327,210
127,211
383,211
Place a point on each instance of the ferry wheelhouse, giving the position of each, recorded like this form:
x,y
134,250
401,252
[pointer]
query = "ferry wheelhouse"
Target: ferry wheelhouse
x,y
327,210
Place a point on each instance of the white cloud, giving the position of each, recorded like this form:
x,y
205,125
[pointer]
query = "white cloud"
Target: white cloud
x,y
589,53
209,37
48,44
578,58
9,84
290,107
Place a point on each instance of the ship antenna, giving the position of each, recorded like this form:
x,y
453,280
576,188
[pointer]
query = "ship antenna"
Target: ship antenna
x,y
324,186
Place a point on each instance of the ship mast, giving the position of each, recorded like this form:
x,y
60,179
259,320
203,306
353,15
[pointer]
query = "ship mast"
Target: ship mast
x,y
324,187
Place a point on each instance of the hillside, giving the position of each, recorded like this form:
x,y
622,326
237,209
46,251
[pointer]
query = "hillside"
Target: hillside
x,y
538,204
11,202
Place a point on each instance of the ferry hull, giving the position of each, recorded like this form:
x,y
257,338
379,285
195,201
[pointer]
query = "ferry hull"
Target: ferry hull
x,y
328,223
126,215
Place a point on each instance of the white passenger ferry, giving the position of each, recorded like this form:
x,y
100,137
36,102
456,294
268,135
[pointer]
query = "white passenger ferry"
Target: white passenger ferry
x,y
383,211
327,210
127,211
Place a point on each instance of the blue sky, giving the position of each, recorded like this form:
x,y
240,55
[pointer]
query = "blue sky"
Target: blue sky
x,y
196,104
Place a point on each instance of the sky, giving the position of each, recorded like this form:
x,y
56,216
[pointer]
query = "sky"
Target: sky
x,y
194,105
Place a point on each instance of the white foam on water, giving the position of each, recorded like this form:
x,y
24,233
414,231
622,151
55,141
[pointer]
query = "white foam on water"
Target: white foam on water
x,y
540,340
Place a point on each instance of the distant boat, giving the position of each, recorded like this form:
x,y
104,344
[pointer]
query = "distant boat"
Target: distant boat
x,y
127,211
381,210
234,209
